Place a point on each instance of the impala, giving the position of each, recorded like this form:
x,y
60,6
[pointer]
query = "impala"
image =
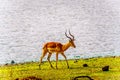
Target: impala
x,y
58,48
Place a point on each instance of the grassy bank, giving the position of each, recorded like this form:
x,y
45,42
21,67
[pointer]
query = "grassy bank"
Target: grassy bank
x,y
94,70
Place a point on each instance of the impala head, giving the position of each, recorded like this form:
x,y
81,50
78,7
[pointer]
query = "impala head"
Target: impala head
x,y
71,39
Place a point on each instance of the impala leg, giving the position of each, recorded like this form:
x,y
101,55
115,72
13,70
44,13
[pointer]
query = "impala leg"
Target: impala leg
x,y
49,55
43,55
56,60
41,61
65,59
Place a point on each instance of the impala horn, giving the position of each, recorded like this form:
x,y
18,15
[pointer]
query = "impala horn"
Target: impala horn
x,y
70,35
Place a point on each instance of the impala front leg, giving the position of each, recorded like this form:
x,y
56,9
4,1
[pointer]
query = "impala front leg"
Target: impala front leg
x,y
65,59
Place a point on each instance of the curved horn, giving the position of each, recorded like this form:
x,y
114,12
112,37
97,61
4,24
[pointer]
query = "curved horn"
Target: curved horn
x,y
68,36
71,35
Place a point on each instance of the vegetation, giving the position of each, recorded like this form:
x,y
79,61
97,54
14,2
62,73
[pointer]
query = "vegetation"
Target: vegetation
x,y
93,70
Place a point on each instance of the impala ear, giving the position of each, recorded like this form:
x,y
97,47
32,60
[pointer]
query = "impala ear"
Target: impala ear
x,y
70,40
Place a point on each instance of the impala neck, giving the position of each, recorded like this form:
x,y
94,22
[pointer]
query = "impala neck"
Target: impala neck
x,y
66,46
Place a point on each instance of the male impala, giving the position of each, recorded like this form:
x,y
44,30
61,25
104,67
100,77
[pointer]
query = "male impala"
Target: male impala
x,y
58,48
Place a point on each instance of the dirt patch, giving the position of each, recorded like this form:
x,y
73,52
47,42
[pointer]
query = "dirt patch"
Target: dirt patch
x,y
29,78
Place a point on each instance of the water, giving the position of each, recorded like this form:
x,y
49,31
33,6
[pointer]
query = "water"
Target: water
x,y
26,25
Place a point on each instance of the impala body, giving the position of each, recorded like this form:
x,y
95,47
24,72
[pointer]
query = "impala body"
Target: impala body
x,y
58,48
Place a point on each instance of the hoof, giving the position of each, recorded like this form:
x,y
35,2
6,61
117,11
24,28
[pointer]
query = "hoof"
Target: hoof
x,y
52,67
39,66
68,67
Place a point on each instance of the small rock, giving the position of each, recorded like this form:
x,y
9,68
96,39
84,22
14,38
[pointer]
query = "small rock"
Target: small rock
x,y
85,65
105,68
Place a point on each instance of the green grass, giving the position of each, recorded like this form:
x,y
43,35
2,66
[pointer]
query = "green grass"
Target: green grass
x,y
94,70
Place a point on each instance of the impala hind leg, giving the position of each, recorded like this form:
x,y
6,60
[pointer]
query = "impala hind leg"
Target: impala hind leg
x,y
43,55
56,60
48,58
65,59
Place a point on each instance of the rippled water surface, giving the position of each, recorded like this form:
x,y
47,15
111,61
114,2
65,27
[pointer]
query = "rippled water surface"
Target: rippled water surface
x,y
25,25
